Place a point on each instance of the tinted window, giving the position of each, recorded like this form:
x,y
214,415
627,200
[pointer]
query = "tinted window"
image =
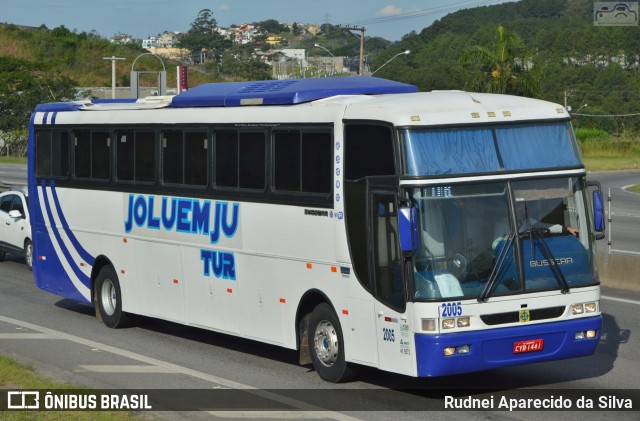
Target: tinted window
x,y
136,155
368,151
184,157
286,159
252,161
5,203
302,162
317,163
92,155
195,166
172,157
240,159
100,156
226,157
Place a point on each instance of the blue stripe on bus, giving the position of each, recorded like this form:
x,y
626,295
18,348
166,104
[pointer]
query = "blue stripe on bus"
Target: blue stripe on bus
x,y
53,117
493,348
44,117
86,256
76,270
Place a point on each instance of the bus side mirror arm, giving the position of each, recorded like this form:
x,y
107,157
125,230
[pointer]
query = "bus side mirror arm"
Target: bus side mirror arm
x,y
598,210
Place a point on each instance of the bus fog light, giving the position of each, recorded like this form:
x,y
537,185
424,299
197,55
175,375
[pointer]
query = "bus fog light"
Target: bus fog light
x,y
464,322
428,325
579,336
449,351
577,309
590,308
591,334
464,349
448,323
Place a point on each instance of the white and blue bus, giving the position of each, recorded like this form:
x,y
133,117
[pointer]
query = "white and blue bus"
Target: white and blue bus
x,y
353,219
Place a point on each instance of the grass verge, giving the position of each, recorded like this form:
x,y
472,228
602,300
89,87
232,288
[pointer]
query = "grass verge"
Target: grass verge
x,y
17,160
14,375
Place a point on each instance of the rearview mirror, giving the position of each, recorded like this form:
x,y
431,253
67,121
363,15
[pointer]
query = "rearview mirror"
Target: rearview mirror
x,y
598,210
15,214
408,230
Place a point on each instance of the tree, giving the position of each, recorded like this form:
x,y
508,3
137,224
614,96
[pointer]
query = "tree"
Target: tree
x,y
23,85
272,26
505,67
203,37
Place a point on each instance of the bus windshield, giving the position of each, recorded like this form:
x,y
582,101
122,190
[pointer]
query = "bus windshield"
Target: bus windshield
x,y
501,238
489,149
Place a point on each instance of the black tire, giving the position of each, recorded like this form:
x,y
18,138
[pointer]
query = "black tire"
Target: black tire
x,y
28,254
108,299
326,345
2,256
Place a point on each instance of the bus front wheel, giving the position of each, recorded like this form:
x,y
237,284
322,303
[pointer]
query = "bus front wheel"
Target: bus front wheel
x,y
109,299
327,345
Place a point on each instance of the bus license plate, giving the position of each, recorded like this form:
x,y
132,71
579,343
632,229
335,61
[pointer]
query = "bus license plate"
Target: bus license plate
x,y
531,345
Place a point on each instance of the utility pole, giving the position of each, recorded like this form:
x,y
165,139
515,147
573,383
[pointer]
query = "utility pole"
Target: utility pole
x,y
113,73
361,29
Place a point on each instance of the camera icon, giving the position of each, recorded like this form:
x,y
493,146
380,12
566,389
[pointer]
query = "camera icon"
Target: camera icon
x,y
23,400
615,14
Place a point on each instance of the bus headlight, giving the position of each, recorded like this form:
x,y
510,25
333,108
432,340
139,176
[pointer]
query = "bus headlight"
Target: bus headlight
x,y
582,308
448,323
464,321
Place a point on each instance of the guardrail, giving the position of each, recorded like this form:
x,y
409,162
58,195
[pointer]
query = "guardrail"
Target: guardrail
x,y
619,270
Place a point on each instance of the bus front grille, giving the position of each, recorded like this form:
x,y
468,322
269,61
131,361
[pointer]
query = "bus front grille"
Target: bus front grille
x,y
514,316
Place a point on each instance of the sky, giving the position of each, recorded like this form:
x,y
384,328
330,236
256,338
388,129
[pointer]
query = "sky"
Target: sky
x,y
389,19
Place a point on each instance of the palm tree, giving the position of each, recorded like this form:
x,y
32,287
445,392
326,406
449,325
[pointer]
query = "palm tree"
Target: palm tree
x,y
505,67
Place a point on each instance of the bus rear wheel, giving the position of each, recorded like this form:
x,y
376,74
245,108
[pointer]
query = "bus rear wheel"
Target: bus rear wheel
x,y
109,299
327,345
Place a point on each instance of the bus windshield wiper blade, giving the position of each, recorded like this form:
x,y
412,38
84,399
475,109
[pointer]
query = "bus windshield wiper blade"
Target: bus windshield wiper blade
x,y
548,255
497,267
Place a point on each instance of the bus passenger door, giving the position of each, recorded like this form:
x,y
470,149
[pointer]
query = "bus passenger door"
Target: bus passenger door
x,y
393,333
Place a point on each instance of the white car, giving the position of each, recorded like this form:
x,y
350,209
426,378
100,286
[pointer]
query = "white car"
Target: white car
x,y
15,228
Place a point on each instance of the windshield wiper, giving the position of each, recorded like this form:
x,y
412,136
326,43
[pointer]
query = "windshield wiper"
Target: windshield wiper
x,y
497,268
537,234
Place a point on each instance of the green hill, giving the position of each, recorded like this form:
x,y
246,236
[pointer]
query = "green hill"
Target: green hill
x,y
577,61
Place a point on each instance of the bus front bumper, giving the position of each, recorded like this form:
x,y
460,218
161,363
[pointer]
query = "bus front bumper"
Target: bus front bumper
x,y
494,348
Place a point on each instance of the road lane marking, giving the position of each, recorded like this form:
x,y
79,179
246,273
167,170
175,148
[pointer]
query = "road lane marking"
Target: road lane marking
x,y
27,336
264,394
622,300
123,369
625,252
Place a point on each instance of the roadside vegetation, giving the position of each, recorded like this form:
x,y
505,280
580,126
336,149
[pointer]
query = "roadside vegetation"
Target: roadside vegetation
x,y
14,375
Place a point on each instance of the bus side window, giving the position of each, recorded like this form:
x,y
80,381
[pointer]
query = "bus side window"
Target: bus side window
x,y
302,161
92,156
240,159
368,151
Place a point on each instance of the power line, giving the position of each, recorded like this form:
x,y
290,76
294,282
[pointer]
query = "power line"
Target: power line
x,y
423,12
607,115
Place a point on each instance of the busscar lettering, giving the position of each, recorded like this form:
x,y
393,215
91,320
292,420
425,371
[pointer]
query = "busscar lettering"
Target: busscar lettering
x,y
190,216
315,212
545,262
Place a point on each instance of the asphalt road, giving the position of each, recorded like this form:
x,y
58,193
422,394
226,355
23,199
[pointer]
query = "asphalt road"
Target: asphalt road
x,y
625,211
64,340
12,175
